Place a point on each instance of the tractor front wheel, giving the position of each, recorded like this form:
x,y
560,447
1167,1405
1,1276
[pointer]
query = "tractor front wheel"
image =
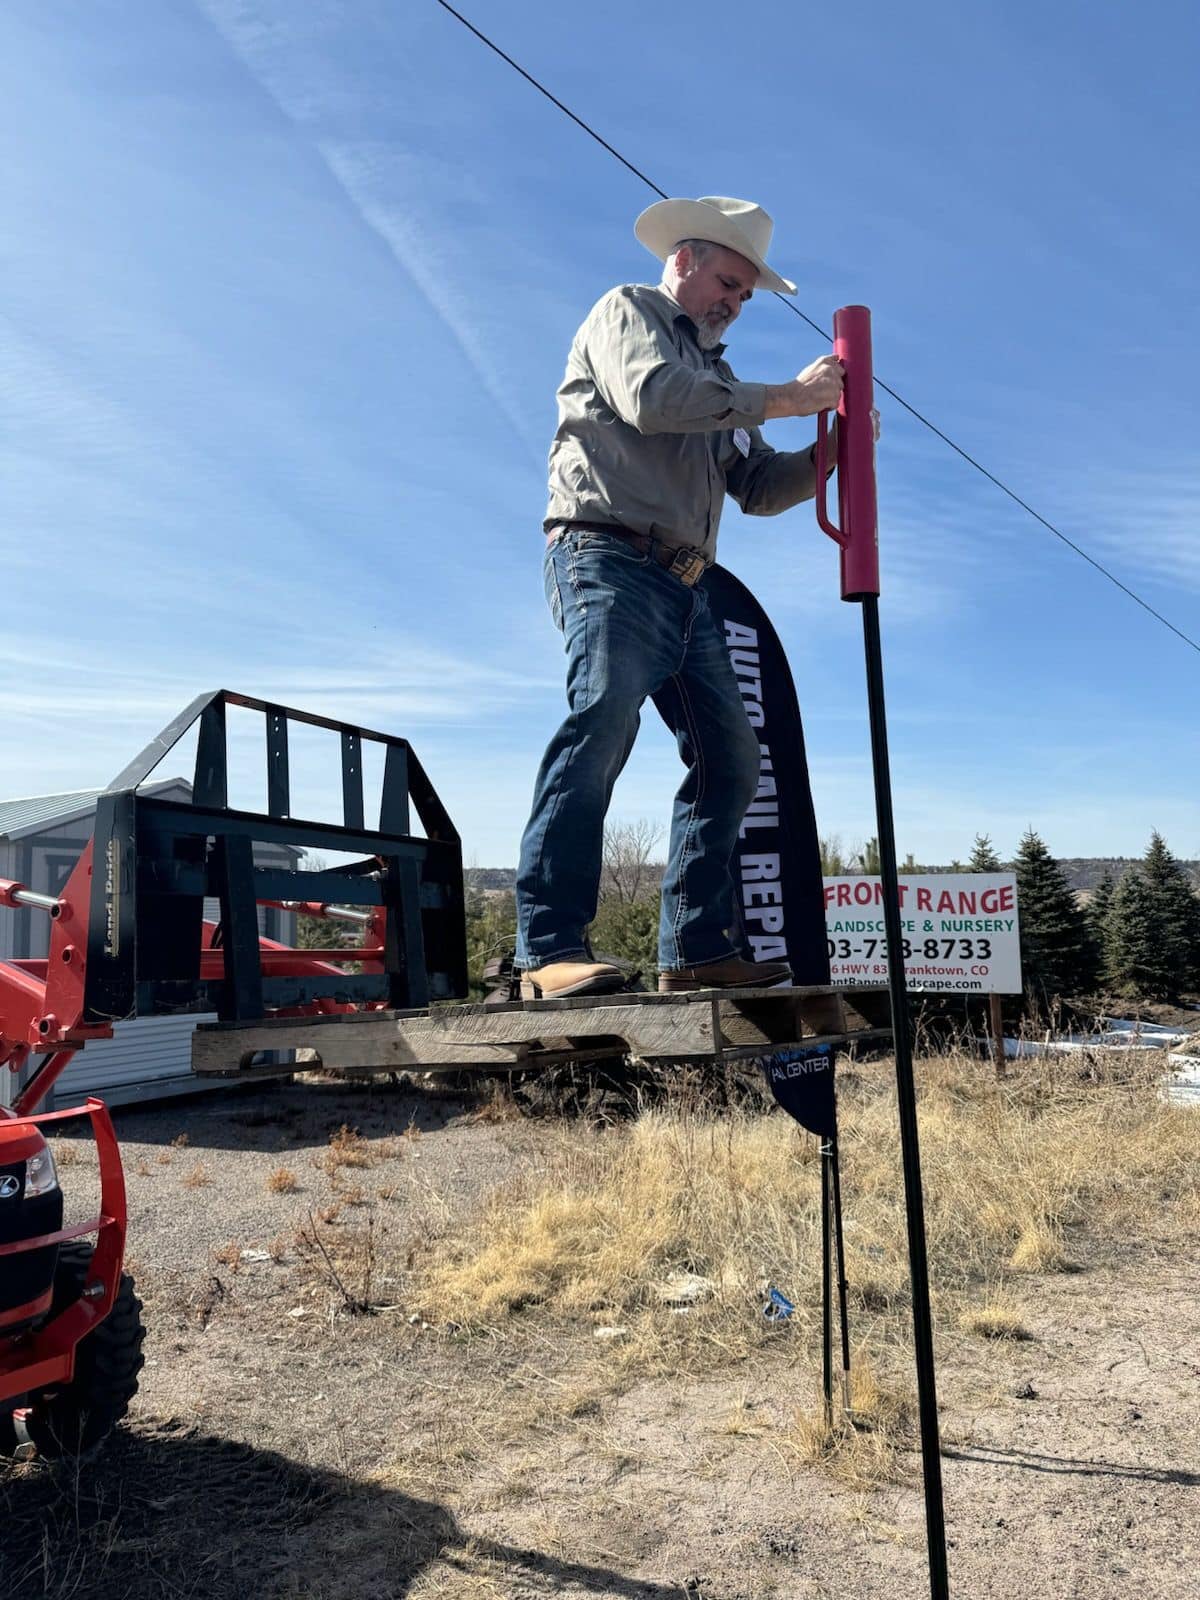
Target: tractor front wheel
x,y
72,1419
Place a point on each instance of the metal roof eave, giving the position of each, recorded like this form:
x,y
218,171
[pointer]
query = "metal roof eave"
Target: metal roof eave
x,y
82,804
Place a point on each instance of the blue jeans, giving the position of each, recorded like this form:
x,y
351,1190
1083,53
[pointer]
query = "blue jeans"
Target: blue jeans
x,y
632,630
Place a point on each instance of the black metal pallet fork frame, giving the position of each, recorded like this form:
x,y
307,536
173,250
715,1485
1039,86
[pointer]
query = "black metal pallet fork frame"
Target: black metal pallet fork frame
x,y
156,860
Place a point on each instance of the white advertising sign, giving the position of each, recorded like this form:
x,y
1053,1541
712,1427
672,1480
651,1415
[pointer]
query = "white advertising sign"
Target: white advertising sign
x,y
959,929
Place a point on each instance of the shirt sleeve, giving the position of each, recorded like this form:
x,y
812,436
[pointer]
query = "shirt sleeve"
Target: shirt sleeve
x,y
768,481
638,372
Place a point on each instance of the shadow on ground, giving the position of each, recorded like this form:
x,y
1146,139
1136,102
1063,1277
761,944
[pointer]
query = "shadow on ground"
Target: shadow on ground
x,y
281,1116
1059,1466
166,1510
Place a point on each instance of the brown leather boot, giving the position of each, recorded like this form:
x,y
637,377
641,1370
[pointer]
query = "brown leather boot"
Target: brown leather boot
x,y
735,973
562,978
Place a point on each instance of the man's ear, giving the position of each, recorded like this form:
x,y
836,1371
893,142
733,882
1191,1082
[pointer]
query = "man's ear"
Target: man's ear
x,y
683,259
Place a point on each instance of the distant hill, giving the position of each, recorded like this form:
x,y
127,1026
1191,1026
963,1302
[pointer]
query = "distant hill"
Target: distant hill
x,y
1083,873
488,880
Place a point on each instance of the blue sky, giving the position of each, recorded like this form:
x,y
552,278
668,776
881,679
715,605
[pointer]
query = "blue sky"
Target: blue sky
x,y
288,288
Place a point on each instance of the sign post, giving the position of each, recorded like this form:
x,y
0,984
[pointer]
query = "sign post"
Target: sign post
x,y
996,1021
858,540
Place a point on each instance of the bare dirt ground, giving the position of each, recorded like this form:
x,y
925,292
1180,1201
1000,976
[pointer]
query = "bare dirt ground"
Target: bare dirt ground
x,y
283,1448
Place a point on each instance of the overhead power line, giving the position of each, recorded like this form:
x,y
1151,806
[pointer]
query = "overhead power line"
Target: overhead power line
x,y
795,309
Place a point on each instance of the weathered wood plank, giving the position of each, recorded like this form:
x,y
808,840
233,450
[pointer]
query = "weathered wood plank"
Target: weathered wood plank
x,y
779,1019
839,1041
588,1003
592,1002
344,1050
650,1027
873,1007
388,1043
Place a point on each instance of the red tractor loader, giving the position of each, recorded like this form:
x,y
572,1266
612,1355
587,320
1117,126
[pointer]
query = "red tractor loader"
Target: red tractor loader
x,y
129,937
70,1322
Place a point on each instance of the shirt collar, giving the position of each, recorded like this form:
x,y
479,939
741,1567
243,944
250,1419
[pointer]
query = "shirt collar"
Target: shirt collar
x,y
680,315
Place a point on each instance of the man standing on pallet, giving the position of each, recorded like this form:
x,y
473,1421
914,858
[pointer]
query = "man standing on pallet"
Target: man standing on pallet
x,y
653,430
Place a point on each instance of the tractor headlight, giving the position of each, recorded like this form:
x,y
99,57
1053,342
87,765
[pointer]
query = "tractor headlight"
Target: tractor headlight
x,y
40,1174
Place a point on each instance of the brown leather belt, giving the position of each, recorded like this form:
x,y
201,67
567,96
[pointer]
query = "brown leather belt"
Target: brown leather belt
x,y
689,566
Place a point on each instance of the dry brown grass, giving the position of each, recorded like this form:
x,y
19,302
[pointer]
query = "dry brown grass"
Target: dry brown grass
x,y
1022,1175
229,1255
997,1318
198,1177
1040,1249
282,1181
347,1148
862,1449
1013,1169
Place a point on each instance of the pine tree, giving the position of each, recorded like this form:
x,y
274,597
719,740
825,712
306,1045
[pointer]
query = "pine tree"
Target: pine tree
x,y
1099,912
983,856
1179,910
1137,938
628,931
1057,953
491,932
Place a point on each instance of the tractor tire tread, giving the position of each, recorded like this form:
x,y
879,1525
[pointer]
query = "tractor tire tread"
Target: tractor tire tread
x,y
75,1419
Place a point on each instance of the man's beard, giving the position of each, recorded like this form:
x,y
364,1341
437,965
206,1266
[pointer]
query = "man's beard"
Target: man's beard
x,y
709,331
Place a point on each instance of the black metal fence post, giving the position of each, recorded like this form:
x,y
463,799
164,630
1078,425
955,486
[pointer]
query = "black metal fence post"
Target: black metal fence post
x,y
907,1101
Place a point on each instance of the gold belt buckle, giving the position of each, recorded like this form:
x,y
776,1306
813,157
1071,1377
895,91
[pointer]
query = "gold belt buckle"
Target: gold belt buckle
x,y
687,566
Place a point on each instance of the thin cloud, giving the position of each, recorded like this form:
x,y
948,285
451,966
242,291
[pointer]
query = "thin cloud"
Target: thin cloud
x,y
373,177
364,171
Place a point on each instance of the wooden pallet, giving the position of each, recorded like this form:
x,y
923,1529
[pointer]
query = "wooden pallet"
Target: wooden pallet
x,y
709,1024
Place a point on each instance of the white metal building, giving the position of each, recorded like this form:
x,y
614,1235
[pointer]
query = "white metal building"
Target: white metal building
x,y
149,1058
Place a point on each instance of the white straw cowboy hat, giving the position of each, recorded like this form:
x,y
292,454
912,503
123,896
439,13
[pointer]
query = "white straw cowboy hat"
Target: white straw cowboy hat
x,y
737,224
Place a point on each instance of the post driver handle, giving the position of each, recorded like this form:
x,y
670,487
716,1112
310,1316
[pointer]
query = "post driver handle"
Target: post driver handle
x,y
822,468
857,537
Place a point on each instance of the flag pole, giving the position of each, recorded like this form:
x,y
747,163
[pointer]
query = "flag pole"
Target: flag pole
x,y
858,541
826,1286
840,1257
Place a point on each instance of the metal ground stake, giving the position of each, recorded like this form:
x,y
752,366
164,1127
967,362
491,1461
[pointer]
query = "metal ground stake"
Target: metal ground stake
x,y
857,539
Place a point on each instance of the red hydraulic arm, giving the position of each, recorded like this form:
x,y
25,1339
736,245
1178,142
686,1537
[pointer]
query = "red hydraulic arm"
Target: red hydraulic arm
x,y
41,1002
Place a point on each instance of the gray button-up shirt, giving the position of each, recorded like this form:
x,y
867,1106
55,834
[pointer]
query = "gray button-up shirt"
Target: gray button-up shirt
x,y
646,429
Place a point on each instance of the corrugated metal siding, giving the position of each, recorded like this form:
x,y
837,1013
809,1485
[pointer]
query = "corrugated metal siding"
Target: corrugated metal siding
x,y
44,862
143,1060
11,1083
8,919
